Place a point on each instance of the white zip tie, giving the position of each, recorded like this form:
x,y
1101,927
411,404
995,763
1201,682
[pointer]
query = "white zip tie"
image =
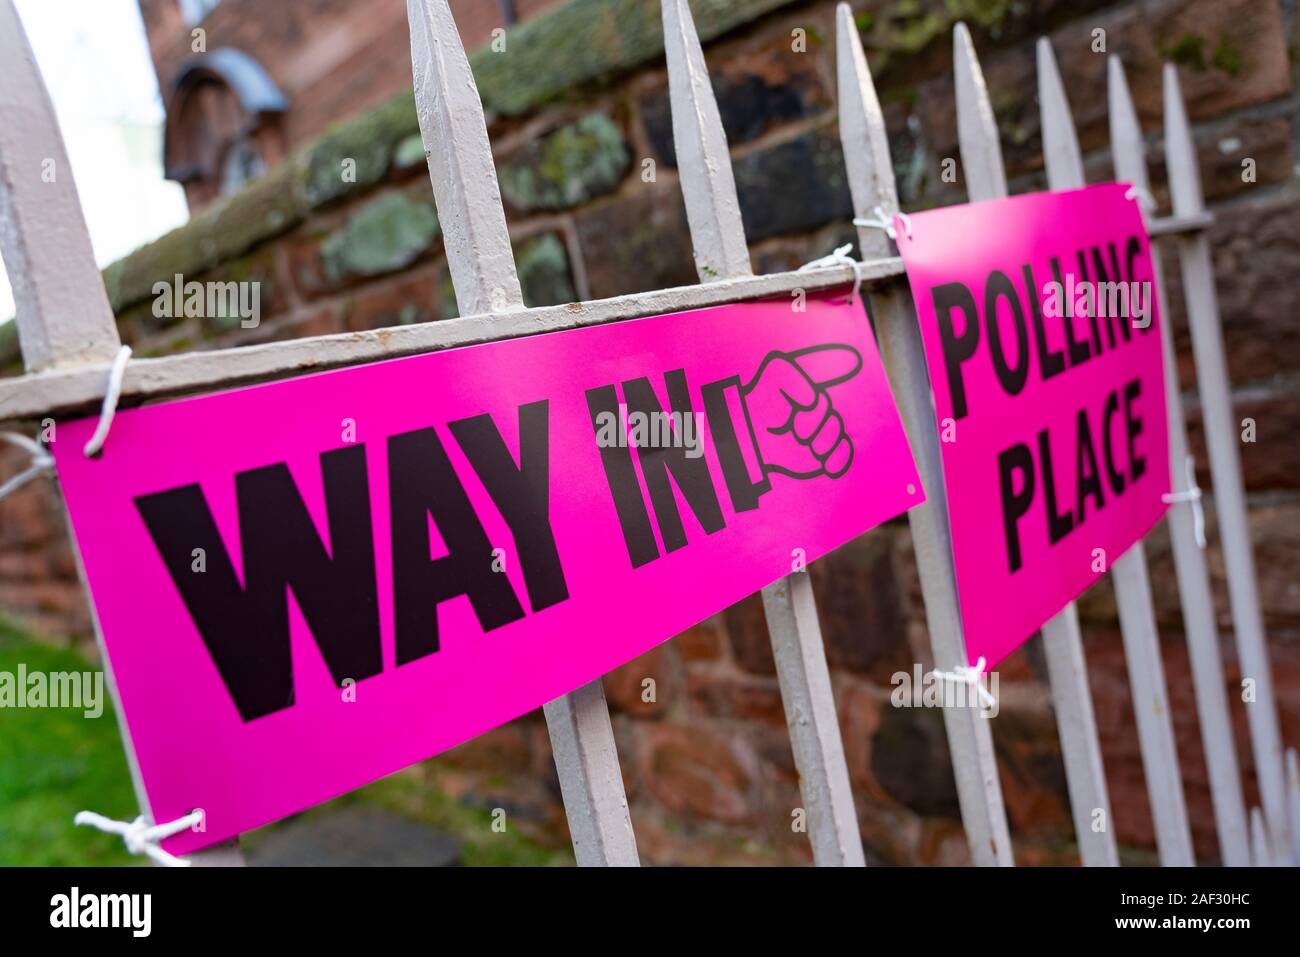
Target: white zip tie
x,y
41,461
840,257
141,837
1143,196
95,444
971,675
878,220
1193,497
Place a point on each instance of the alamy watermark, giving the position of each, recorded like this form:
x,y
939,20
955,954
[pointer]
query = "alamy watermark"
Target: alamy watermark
x,y
1103,300
651,430
935,689
179,299
55,689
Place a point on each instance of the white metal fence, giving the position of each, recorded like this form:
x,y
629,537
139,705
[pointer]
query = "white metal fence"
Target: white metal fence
x,y
68,336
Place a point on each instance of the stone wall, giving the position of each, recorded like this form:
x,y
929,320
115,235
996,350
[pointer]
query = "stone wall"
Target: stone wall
x,y
579,116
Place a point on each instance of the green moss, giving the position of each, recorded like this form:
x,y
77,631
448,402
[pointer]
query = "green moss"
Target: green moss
x,y
386,234
583,40
1186,50
567,167
1228,56
409,152
269,206
544,271
358,153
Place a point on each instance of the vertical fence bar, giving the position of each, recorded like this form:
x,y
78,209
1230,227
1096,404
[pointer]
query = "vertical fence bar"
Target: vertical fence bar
x,y
1062,638
1129,572
62,312
1225,464
483,271
1128,151
718,237
871,181
1293,801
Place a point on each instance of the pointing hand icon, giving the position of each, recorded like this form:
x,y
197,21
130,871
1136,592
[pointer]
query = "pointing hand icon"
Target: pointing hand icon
x,y
796,428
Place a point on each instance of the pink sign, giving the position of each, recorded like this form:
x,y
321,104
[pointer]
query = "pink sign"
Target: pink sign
x,y
307,585
1043,343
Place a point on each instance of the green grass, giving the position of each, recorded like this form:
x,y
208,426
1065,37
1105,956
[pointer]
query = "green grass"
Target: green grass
x,y
55,762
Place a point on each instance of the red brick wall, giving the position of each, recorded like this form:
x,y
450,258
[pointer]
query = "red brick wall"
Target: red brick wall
x,y
708,764
332,59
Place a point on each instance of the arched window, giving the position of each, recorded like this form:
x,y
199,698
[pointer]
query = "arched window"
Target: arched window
x,y
223,125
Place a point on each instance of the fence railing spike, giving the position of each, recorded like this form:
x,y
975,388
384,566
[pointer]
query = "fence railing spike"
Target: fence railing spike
x,y
977,127
1129,571
863,135
1127,146
1061,154
1293,802
1222,441
473,221
1128,151
1180,150
871,183
718,235
703,159
1067,669
482,265
61,308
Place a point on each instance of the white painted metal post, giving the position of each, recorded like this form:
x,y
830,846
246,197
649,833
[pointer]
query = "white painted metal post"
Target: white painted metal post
x,y
1128,151
1225,465
1062,638
63,314
1129,571
483,271
718,235
1293,801
871,181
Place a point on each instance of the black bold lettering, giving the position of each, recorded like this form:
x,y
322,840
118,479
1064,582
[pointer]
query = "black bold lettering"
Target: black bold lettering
x,y
624,488
1011,378
1050,363
1058,525
1109,412
246,629
659,462
1015,504
422,482
1136,463
1089,475
521,493
956,348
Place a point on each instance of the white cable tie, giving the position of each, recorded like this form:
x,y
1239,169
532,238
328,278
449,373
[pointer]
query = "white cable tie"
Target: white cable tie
x,y
1143,196
840,257
95,444
141,837
1192,497
41,461
973,676
878,220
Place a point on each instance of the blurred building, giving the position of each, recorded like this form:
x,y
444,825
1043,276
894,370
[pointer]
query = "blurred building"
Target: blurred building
x,y
245,81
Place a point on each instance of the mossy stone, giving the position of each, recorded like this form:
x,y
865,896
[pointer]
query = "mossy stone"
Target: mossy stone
x,y
567,167
386,234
